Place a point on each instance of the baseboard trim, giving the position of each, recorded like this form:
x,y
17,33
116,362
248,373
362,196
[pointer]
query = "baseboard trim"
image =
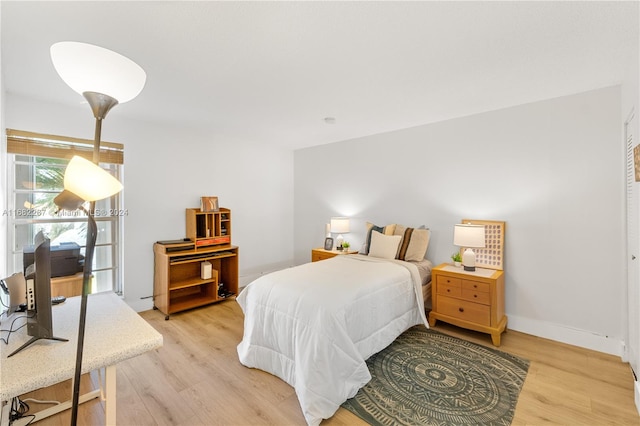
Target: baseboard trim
x,y
559,333
249,275
547,330
140,305
246,277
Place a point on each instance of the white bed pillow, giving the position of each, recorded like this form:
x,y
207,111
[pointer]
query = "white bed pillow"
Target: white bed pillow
x,y
386,230
384,246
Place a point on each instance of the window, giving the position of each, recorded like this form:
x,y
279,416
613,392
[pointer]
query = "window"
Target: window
x,y
35,176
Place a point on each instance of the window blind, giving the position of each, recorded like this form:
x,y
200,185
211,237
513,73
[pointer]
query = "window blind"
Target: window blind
x,y
42,145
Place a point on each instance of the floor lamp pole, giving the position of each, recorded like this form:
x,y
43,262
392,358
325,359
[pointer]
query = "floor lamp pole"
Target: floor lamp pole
x,y
86,283
100,104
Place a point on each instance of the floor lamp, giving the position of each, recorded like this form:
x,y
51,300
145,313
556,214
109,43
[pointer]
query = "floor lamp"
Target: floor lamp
x,y
104,78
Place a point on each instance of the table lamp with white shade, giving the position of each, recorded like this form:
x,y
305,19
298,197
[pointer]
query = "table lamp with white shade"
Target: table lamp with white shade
x,y
339,225
469,236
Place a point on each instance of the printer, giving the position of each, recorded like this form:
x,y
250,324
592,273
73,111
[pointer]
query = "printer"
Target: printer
x,y
65,259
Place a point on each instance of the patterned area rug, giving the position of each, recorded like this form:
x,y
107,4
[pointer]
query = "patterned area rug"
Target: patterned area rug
x,y
429,378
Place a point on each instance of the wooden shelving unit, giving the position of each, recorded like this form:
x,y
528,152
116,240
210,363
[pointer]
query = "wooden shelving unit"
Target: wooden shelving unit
x,y
178,284
209,228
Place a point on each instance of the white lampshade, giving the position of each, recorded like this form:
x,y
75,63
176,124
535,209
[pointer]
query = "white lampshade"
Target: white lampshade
x,y
89,181
88,68
339,225
468,235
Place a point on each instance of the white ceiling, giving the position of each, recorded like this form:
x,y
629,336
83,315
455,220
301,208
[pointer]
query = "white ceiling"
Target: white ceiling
x,y
270,72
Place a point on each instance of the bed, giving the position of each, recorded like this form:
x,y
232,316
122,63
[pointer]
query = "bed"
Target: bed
x,y
314,325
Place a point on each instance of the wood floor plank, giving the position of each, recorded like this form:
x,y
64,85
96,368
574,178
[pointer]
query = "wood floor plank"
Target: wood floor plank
x,y
196,379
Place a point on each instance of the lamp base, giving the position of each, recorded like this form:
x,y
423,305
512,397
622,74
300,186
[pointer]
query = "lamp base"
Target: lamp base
x,y
469,260
33,340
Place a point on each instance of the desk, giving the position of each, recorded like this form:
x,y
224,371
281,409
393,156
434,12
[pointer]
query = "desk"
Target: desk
x,y
114,332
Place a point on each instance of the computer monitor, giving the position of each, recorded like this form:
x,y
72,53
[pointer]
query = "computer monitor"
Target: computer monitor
x,y
38,284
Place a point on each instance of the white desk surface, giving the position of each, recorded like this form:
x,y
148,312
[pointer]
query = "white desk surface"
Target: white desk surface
x,y
114,332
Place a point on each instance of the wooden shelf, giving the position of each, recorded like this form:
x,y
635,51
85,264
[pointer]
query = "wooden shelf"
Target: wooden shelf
x,y
191,282
183,303
200,255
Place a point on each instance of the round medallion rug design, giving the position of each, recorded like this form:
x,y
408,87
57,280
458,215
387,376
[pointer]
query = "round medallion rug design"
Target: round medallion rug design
x,y
428,378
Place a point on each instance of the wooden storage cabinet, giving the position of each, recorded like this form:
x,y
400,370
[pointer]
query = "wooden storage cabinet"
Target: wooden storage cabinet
x,y
208,228
473,300
178,285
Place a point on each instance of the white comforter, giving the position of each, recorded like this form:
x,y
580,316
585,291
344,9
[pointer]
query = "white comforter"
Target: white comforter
x,y
314,325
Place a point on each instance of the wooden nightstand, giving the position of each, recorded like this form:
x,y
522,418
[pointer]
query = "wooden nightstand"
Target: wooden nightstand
x,y
322,254
473,300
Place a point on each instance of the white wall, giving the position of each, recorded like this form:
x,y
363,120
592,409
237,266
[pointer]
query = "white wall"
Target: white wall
x,y
550,169
167,168
3,177
631,103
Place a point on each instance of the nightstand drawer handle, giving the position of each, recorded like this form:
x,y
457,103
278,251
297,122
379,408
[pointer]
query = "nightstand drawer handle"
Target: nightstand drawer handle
x,y
461,309
475,295
448,290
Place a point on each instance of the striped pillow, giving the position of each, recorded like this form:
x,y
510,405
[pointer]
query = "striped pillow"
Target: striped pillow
x,y
414,245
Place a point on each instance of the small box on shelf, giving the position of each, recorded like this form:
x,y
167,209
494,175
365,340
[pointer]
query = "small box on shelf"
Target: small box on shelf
x,y
206,270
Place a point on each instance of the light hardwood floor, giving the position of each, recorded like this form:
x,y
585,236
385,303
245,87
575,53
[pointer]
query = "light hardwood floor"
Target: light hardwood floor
x,y
196,379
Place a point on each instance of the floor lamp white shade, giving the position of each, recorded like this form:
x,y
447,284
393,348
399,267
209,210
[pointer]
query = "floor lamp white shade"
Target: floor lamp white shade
x,y
85,181
89,181
88,68
469,236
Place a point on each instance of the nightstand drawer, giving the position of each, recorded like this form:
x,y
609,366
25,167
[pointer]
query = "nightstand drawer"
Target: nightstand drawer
x,y
476,286
476,296
465,310
445,280
449,289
